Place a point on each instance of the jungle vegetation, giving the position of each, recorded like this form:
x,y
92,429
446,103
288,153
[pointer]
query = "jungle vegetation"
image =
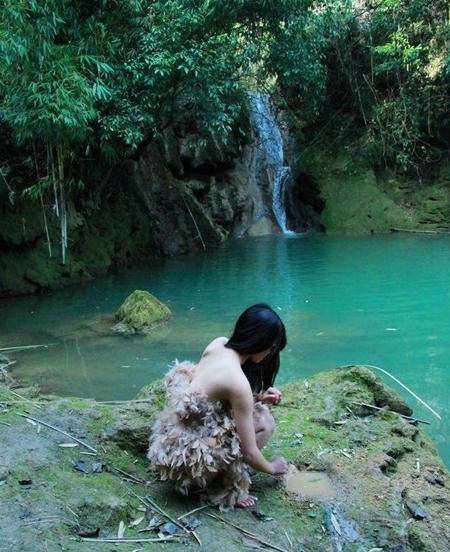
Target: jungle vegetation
x,y
101,79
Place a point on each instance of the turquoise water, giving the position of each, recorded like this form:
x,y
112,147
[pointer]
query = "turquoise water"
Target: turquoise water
x,y
381,300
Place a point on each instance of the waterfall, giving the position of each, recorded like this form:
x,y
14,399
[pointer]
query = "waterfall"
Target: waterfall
x,y
270,146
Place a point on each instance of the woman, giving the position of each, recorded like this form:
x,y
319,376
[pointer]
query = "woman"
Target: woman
x,y
213,427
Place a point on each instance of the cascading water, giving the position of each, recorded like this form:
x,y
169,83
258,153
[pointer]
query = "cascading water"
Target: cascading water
x,y
270,146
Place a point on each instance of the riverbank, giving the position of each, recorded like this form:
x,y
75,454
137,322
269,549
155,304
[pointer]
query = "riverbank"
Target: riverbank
x,y
385,473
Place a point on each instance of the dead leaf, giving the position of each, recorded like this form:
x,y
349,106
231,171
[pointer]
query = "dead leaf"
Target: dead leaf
x,y
26,483
98,467
89,534
80,465
191,522
261,516
136,521
121,530
168,528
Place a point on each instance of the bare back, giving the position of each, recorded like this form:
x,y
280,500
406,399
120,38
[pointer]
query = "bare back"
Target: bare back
x,y
219,373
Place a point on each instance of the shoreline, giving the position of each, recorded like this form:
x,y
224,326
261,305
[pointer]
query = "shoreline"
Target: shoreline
x,y
384,471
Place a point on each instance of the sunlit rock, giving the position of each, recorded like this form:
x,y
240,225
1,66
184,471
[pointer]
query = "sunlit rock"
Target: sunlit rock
x,y
140,313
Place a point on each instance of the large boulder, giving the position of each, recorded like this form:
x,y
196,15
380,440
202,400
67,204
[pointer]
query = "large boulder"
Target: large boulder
x,y
140,313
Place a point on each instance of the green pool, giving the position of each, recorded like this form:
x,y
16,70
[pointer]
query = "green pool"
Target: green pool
x,y
381,300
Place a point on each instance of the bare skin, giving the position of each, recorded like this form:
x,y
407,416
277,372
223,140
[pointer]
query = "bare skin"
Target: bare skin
x,y
219,375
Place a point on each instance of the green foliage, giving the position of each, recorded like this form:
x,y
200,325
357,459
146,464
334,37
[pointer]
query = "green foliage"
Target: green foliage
x,y
107,77
387,65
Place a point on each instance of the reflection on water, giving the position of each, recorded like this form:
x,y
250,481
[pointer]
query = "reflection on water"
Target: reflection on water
x,y
381,300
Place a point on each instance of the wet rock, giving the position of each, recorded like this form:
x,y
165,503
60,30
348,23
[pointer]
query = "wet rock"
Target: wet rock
x,y
140,313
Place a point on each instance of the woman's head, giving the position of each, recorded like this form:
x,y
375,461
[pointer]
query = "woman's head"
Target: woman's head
x,y
260,335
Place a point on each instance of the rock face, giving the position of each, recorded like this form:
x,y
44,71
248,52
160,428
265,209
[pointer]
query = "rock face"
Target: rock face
x,y
357,199
140,313
389,489
176,195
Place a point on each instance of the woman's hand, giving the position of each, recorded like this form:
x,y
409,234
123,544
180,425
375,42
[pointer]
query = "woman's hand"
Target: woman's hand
x,y
279,466
271,396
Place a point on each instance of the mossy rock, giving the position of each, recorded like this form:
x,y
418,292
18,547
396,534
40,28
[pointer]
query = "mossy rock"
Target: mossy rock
x,y
370,458
140,313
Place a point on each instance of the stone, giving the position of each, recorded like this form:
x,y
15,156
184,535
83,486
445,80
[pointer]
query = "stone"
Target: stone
x,y
382,394
140,313
416,510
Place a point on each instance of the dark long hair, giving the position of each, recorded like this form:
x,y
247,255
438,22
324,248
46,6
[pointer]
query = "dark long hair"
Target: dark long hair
x,y
257,329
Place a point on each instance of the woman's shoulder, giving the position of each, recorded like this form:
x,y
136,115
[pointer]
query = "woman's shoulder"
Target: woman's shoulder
x,y
216,344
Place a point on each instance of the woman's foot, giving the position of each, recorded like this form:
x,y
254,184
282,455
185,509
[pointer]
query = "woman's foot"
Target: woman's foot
x,y
246,502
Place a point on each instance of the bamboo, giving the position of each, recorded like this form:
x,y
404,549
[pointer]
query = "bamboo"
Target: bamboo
x,y
404,387
24,347
127,541
24,398
92,449
418,231
62,200
130,476
402,415
47,233
247,533
196,225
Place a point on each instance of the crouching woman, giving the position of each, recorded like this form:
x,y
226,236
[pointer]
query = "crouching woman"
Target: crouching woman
x,y
216,420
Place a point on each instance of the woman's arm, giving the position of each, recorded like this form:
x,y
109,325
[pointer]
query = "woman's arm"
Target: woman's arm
x,y
242,405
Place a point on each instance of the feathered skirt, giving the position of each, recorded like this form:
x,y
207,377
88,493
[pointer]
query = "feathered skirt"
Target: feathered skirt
x,y
194,443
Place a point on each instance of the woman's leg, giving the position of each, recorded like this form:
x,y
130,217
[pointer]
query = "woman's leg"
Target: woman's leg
x,y
264,425
264,428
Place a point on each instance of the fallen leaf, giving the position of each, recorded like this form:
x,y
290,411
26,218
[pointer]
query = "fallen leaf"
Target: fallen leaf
x,y
98,467
136,521
153,523
90,533
121,530
335,524
191,522
80,465
168,528
261,516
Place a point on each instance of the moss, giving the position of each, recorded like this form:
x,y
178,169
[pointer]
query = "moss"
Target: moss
x,y
107,227
359,201
369,459
141,312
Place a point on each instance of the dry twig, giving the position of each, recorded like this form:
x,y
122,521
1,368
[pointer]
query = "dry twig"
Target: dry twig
x,y
409,418
24,398
59,431
247,533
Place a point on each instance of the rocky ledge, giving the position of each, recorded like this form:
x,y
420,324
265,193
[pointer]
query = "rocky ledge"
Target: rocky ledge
x,y
389,489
